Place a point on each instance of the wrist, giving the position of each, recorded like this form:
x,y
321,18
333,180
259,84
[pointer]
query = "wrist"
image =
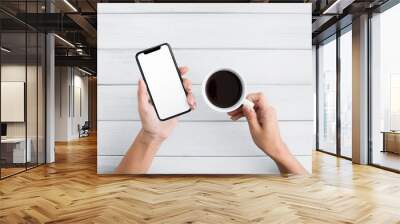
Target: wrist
x,y
281,152
148,138
145,145
140,155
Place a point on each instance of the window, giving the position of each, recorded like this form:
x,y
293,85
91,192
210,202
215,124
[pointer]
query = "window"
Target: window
x,y
327,96
346,93
385,89
394,101
334,77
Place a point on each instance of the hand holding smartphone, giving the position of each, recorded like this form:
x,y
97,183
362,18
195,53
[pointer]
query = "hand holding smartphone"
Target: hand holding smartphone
x,y
160,73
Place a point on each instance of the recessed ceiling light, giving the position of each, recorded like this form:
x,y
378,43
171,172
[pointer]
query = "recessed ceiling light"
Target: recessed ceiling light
x,y
70,5
84,71
5,50
64,40
338,6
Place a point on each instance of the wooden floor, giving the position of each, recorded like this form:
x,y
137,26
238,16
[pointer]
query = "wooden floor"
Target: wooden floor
x,y
387,159
70,191
5,172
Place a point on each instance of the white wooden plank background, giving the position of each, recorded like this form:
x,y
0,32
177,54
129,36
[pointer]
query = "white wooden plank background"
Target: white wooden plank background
x,y
269,44
204,165
118,66
121,103
204,138
243,31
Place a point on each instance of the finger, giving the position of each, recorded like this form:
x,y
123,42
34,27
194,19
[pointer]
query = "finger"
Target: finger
x,y
251,117
191,101
237,117
235,112
142,94
183,70
259,99
187,84
240,113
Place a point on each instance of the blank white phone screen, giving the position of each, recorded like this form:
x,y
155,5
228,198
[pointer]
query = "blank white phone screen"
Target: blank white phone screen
x,y
163,82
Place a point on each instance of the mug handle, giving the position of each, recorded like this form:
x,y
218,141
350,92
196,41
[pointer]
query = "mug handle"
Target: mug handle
x,y
248,103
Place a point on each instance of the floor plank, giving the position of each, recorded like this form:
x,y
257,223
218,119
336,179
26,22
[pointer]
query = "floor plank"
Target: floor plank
x,y
70,191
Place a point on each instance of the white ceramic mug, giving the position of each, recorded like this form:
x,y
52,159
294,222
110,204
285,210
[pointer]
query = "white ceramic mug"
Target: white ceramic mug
x,y
242,100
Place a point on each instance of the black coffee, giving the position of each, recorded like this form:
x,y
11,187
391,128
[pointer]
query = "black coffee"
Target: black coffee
x,y
223,89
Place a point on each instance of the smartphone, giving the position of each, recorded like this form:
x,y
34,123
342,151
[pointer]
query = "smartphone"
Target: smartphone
x,y
163,81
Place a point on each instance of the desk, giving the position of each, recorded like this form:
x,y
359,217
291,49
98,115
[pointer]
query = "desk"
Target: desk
x,y
391,141
17,150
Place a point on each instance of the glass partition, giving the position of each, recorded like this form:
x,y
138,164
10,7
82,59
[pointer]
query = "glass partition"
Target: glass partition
x,y
22,101
13,109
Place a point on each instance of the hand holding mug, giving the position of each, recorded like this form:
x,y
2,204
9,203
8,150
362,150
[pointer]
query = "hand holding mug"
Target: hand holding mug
x,y
264,129
225,91
263,124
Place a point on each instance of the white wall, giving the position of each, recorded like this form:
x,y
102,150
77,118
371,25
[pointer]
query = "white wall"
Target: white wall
x,y
67,117
61,103
80,104
269,44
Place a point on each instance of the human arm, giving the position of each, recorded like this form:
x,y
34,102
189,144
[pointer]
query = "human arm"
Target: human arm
x,y
264,129
140,154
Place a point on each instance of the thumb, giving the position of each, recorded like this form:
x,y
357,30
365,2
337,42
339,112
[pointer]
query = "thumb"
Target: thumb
x,y
251,117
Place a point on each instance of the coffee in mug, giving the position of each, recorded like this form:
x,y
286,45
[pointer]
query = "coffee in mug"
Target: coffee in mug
x,y
224,90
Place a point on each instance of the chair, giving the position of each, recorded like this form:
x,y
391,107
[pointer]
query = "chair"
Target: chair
x,y
84,130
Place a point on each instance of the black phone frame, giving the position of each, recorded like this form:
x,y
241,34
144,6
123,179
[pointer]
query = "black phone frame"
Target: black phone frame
x,y
150,50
